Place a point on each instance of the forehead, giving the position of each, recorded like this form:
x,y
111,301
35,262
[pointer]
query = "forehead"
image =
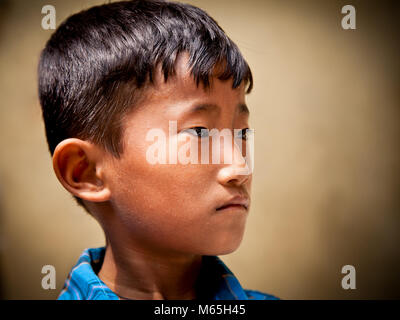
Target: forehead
x,y
182,86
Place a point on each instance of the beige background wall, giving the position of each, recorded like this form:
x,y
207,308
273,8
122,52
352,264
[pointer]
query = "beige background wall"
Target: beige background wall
x,y
326,111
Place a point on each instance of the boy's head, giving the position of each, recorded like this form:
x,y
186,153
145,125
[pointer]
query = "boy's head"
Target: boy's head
x,y
111,74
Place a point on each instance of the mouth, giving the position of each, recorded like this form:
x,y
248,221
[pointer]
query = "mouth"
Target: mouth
x,y
235,203
232,206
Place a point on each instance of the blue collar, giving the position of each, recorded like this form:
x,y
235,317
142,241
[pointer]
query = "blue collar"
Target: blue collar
x,y
215,282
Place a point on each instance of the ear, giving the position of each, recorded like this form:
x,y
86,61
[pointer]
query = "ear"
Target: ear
x,y
78,166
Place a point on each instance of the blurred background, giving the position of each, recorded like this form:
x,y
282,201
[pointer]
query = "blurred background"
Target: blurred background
x,y
325,109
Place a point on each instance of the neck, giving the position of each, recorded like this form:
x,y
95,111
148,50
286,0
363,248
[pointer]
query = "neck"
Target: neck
x,y
134,273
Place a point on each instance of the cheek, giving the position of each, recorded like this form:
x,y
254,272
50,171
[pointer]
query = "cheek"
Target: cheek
x,y
158,184
162,190
172,205
165,206
249,183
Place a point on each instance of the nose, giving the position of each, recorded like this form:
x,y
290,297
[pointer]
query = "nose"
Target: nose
x,y
236,173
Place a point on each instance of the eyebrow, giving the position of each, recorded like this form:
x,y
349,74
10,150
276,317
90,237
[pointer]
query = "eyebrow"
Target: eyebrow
x,y
241,107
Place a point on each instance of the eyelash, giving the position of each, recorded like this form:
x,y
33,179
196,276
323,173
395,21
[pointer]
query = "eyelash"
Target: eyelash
x,y
244,136
200,131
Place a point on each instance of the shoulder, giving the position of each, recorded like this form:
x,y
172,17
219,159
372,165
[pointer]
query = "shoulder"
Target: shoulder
x,y
83,283
258,295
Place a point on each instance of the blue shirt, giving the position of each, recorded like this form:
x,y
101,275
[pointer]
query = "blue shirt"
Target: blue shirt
x,y
216,281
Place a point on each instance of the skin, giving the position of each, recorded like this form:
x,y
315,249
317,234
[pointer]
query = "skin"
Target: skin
x,y
159,219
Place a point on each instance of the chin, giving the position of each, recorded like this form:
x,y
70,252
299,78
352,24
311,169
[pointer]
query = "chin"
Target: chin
x,y
223,246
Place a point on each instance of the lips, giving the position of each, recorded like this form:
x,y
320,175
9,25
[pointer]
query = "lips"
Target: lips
x,y
235,202
232,206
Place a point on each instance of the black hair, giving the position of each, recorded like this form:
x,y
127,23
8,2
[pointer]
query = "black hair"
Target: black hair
x,y
96,63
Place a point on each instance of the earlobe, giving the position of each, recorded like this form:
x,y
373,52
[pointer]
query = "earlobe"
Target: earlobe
x,y
77,165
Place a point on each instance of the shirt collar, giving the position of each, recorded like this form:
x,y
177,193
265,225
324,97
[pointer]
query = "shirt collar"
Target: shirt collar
x,y
215,282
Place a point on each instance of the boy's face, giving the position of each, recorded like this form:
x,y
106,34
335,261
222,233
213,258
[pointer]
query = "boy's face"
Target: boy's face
x,y
173,207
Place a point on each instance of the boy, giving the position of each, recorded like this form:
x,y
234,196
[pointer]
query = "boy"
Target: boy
x,y
109,76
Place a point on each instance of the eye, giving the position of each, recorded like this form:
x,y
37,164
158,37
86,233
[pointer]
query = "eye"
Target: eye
x,y
200,132
243,134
